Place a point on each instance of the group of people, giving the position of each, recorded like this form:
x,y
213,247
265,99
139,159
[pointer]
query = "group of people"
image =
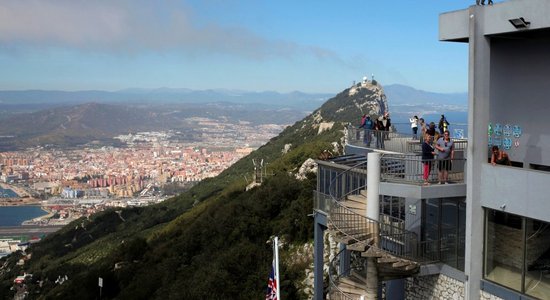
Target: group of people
x,y
441,147
428,128
380,127
444,149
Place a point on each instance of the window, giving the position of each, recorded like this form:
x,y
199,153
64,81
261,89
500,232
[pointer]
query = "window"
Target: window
x,y
517,253
392,214
443,230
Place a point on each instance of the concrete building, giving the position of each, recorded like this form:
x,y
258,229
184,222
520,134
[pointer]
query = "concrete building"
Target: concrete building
x,y
484,236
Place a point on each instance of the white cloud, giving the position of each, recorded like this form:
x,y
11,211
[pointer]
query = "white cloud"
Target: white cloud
x,y
132,27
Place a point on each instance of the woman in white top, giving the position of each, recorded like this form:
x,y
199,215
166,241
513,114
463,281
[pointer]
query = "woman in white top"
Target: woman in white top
x,y
414,126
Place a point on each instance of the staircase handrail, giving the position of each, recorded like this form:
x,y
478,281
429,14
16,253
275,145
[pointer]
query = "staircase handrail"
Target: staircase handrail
x,y
333,280
355,222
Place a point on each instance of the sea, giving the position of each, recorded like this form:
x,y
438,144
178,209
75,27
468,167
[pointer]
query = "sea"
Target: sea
x,y
15,215
458,123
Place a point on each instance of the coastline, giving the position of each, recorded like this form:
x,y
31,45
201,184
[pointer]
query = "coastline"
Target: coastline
x,y
40,220
20,202
23,197
33,215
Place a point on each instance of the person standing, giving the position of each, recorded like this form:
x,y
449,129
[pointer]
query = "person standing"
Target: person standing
x,y
379,131
442,124
387,125
414,126
427,157
367,125
445,154
431,130
422,129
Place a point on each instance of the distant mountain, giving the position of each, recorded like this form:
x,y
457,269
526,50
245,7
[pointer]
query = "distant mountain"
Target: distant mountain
x,y
402,94
406,102
79,124
22,99
209,242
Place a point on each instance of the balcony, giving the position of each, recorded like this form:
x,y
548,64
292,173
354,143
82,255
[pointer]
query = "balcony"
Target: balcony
x,y
390,141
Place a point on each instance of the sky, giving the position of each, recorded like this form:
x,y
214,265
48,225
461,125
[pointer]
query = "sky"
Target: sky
x,y
253,45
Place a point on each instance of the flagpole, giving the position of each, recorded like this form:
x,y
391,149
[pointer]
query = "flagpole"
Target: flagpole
x,y
278,279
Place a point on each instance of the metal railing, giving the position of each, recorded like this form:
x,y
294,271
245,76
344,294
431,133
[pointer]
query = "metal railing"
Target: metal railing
x,y
335,292
409,169
392,141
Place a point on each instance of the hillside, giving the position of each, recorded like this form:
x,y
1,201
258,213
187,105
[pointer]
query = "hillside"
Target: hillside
x,y
68,126
208,243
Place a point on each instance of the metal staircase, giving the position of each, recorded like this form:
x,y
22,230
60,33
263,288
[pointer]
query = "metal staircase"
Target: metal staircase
x,y
394,250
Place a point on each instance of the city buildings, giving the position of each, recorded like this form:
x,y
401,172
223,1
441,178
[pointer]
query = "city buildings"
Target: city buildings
x,y
484,236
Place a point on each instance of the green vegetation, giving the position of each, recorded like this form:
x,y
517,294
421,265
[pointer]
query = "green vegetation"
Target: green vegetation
x,y
210,242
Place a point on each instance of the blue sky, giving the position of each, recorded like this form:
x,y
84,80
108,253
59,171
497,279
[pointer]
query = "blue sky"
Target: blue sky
x,y
254,45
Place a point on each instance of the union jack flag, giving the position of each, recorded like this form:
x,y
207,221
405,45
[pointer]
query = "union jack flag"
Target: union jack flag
x,y
271,293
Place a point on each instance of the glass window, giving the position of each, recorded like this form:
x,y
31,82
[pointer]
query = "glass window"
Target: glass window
x,y
537,259
392,214
443,230
430,230
503,249
449,232
461,234
514,246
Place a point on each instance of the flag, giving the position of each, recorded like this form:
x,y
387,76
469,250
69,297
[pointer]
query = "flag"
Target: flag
x,y
271,293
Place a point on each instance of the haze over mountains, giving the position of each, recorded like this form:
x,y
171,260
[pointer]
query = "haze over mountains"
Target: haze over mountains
x,y
62,118
39,99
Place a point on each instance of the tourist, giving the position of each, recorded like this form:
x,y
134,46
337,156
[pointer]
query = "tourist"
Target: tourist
x,y
443,124
427,157
379,131
414,126
499,157
422,129
445,154
367,125
431,130
386,125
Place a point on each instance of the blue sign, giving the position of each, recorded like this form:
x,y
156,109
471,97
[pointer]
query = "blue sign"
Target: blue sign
x,y
507,143
516,131
498,129
507,130
458,133
497,141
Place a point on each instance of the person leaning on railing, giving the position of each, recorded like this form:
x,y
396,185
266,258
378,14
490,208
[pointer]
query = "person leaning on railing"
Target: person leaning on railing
x,y
427,156
499,157
445,154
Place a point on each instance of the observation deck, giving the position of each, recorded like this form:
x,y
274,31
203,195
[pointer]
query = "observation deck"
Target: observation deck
x,y
391,245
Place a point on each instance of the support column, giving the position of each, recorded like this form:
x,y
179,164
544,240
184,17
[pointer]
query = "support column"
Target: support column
x,y
373,213
479,83
345,259
373,185
319,223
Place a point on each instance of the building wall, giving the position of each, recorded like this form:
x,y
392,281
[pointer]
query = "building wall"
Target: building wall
x,y
519,95
486,296
434,287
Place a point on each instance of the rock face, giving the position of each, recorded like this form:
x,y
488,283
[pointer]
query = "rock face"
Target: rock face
x,y
309,166
367,97
374,103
